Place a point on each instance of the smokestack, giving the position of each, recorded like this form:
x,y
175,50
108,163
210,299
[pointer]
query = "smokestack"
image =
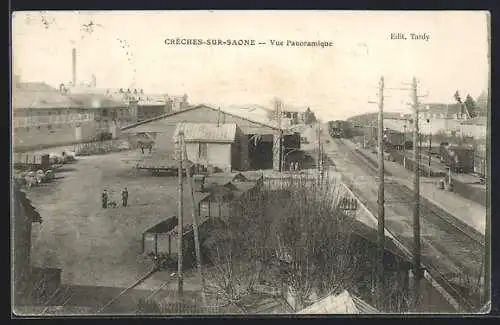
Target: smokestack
x,y
73,65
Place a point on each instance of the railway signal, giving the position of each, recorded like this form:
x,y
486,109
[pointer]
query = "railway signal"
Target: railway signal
x,y
416,206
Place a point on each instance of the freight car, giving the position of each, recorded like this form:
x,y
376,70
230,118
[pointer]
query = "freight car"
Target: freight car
x,y
459,159
160,242
339,129
396,140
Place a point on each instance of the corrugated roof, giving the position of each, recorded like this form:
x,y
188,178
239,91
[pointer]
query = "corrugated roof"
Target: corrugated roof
x,y
207,132
344,303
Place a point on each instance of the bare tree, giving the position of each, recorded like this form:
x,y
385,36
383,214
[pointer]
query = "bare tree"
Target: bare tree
x,y
299,227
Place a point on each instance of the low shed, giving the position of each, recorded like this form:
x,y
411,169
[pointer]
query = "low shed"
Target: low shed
x,y
212,144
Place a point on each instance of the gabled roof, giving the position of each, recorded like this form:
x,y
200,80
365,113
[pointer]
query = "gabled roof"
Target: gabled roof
x,y
192,108
207,132
344,303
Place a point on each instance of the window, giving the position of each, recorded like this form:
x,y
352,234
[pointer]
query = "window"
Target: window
x,y
202,151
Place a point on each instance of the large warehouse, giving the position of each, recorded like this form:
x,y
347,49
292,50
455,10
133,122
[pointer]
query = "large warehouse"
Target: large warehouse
x,y
258,143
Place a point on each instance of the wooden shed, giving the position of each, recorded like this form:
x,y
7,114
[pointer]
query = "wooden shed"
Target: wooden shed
x,y
211,144
162,240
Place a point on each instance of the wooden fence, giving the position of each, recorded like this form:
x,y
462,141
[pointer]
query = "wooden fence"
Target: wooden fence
x,y
101,147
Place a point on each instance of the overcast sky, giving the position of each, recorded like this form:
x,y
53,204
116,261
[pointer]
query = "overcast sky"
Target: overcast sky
x,y
335,81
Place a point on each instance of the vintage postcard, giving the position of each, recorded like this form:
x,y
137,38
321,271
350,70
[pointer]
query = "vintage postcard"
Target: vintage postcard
x,y
250,162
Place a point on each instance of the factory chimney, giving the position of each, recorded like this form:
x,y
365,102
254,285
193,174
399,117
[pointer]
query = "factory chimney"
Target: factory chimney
x,y
73,65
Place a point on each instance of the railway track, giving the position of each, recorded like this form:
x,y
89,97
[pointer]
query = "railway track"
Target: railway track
x,y
429,210
451,238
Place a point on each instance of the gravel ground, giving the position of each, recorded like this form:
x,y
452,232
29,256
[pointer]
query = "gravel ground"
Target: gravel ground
x,y
95,246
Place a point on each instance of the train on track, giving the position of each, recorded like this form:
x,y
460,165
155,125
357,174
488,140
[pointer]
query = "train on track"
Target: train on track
x,y
396,140
340,129
460,159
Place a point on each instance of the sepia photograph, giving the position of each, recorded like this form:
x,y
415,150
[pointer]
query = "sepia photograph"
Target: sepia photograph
x,y
292,163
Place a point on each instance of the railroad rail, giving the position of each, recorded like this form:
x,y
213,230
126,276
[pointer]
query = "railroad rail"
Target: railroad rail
x,y
401,191
450,229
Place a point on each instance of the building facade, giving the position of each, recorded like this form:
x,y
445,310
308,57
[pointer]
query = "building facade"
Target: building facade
x,y
45,116
476,128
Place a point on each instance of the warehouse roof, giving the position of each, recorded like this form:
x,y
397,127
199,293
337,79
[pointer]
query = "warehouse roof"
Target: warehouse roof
x,y
163,116
207,132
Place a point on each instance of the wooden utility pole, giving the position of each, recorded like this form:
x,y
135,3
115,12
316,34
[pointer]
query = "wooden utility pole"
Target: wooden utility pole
x,y
180,143
381,211
194,215
319,149
416,199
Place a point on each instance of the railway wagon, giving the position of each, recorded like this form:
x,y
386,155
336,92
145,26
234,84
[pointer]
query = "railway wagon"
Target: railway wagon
x,y
396,140
393,140
161,241
339,129
31,162
459,159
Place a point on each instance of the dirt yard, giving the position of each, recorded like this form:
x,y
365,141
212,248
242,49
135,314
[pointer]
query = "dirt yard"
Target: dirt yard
x,y
95,246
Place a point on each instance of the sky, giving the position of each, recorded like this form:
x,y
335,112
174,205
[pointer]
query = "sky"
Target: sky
x,y
127,50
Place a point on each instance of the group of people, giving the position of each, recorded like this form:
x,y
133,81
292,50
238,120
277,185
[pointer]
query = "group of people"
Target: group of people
x,y
294,166
105,198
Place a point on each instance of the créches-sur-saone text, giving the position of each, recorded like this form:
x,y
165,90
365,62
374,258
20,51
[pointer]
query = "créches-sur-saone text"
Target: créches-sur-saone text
x,y
245,42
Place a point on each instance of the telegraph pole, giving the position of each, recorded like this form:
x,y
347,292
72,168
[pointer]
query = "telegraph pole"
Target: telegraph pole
x,y
381,211
180,212
319,149
194,214
416,199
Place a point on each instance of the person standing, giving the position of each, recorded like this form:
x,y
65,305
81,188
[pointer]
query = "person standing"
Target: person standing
x,y
104,197
125,197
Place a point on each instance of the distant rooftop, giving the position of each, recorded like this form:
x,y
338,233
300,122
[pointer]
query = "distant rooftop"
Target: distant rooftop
x,y
479,120
92,100
38,95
